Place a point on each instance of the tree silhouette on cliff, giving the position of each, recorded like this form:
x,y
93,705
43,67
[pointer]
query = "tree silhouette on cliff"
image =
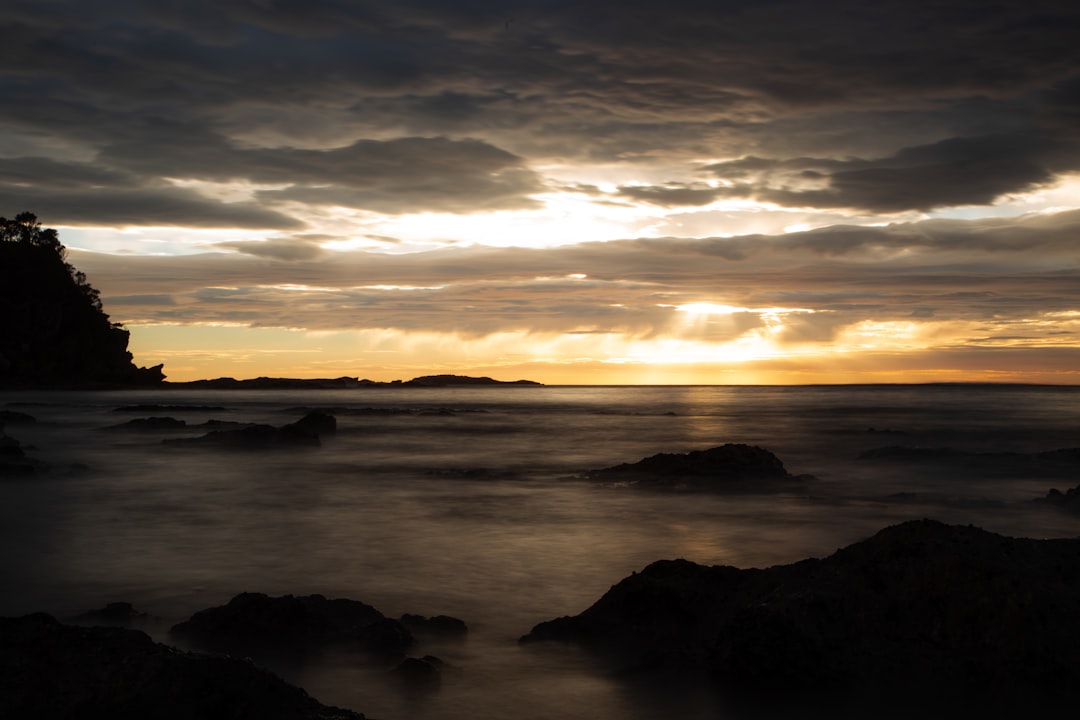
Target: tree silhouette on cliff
x,y
53,331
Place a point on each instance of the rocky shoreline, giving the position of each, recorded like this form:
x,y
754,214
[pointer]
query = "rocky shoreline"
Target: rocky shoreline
x,y
270,383
923,614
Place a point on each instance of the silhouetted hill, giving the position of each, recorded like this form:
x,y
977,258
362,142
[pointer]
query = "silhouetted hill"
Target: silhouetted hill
x,y
53,331
453,380
269,383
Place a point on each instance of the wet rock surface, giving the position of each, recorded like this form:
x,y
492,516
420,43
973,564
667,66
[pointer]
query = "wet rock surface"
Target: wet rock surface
x,y
254,622
55,671
732,466
919,612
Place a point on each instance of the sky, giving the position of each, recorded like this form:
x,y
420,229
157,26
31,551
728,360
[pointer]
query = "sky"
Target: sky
x,y
684,192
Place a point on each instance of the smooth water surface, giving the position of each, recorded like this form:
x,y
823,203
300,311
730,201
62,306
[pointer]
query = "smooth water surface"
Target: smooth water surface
x,y
464,501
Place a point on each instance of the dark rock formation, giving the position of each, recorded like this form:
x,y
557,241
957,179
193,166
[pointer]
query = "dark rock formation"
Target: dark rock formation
x,y
921,611
315,423
60,672
13,459
150,424
53,331
268,383
304,432
419,673
254,622
731,466
14,417
441,625
1068,500
115,614
459,380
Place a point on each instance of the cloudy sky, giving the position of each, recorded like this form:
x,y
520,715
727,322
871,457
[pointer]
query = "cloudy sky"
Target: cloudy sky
x,y
722,191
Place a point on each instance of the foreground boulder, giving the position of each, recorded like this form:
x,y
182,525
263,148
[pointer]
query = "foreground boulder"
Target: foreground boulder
x,y
254,622
49,670
731,466
921,611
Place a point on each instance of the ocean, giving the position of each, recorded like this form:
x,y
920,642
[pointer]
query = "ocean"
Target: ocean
x,y
469,502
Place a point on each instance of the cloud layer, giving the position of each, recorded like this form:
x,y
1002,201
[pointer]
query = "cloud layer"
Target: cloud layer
x,y
422,106
430,167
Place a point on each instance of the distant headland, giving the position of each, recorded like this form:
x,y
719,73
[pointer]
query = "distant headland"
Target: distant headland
x,y
269,383
55,334
53,331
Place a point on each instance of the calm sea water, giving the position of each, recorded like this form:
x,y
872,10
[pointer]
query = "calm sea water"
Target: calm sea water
x,y
462,501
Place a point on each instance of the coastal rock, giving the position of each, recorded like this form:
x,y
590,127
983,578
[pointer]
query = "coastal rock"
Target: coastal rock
x,y
269,383
419,673
149,424
53,330
1068,500
920,611
252,622
14,417
462,380
115,614
50,670
305,432
314,423
441,625
13,459
731,466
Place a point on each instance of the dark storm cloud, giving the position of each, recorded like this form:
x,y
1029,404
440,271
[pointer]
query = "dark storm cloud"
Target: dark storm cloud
x,y
88,193
388,176
957,171
150,206
970,99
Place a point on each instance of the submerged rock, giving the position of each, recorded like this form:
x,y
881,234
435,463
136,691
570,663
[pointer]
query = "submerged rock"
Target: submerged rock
x,y
305,432
50,670
921,611
419,673
442,625
118,614
14,417
730,466
1068,500
314,423
13,459
149,424
251,622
